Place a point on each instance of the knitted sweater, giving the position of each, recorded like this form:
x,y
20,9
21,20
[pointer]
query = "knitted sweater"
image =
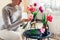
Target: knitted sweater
x,y
10,21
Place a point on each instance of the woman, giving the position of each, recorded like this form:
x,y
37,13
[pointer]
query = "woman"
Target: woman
x,y
9,12
12,20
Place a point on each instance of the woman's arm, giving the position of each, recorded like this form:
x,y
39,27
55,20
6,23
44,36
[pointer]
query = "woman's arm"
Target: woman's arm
x,y
6,21
5,18
5,15
19,20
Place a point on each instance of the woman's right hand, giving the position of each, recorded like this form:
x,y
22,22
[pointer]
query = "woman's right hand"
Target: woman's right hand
x,y
30,17
25,20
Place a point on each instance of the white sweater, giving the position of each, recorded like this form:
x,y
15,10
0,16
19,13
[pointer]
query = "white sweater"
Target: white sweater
x,y
15,15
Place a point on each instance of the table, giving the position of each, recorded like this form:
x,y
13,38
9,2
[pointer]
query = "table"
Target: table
x,y
38,35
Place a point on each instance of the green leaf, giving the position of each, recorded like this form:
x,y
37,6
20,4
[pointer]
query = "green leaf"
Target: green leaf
x,y
35,14
44,19
25,25
33,31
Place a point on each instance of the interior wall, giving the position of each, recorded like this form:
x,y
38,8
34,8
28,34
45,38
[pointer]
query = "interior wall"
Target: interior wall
x,y
3,3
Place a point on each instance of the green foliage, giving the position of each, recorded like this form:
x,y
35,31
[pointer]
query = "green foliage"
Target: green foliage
x,y
44,21
35,14
33,31
25,25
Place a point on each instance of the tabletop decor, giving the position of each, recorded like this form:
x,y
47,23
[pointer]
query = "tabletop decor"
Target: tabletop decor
x,y
35,34
45,19
33,10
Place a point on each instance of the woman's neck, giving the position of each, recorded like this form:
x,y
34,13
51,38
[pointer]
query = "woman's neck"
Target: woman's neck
x,y
13,5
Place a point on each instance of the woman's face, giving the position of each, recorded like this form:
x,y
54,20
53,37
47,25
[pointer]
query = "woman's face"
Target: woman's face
x,y
16,2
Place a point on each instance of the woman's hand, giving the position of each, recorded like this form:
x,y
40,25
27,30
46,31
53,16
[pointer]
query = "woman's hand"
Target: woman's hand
x,y
30,17
25,20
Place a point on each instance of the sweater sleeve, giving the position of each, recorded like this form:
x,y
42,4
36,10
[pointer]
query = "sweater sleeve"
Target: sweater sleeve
x,y
5,18
6,21
18,20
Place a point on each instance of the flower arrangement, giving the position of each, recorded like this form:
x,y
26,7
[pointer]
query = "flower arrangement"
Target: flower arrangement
x,y
45,18
32,10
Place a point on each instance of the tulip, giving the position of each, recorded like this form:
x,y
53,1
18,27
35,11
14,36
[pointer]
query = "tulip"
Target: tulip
x,y
41,9
42,30
49,18
30,16
30,8
35,4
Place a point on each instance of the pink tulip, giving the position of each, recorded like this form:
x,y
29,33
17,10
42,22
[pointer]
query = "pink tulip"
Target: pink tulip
x,y
30,8
41,9
49,18
42,30
30,17
35,4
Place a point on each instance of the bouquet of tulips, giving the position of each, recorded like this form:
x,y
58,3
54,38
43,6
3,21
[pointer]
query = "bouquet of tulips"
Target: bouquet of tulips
x,y
45,20
34,10
33,14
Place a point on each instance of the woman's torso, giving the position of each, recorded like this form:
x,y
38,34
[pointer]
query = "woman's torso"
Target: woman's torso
x,y
13,14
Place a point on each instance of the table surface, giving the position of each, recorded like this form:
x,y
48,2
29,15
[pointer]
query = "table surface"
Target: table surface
x,y
35,34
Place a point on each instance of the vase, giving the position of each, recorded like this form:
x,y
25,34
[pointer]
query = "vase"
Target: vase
x,y
46,30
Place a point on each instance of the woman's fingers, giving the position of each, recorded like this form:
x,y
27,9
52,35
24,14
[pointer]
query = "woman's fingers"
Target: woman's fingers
x,y
25,20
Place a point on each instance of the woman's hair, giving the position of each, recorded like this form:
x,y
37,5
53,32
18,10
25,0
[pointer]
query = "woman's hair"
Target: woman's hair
x,y
20,0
